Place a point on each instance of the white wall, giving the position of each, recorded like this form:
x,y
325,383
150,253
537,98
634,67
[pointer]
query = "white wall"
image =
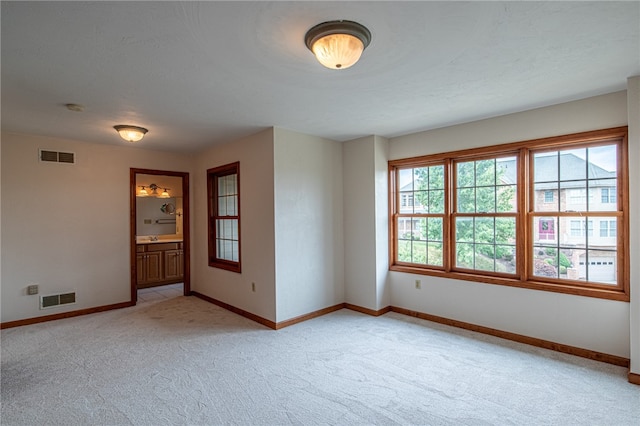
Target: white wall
x,y
365,222
359,222
590,323
634,206
66,227
257,251
383,289
308,223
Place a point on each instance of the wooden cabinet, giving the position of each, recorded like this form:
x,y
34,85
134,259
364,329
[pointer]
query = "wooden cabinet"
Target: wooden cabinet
x,y
159,264
149,268
174,264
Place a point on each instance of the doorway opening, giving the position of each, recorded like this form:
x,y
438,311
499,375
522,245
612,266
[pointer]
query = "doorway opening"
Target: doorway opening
x,y
159,232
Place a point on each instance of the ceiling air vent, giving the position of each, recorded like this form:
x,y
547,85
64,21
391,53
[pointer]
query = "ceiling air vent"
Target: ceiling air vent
x,y
57,157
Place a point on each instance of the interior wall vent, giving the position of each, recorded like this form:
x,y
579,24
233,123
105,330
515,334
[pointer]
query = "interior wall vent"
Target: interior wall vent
x,y
53,300
57,157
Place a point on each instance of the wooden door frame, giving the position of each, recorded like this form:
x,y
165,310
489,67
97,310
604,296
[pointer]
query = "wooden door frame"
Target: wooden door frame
x,y
186,229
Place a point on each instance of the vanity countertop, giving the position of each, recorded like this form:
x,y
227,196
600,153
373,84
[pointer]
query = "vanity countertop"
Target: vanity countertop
x,y
160,240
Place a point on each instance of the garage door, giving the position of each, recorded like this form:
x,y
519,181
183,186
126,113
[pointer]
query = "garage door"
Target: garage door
x,y
601,269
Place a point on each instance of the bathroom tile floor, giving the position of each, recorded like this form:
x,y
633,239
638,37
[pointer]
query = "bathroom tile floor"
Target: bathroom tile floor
x,y
151,294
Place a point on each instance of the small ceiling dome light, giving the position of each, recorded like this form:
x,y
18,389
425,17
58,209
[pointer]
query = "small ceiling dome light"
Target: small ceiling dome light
x,y
338,44
131,133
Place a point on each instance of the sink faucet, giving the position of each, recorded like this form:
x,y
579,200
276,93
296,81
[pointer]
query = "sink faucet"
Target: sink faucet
x,y
153,238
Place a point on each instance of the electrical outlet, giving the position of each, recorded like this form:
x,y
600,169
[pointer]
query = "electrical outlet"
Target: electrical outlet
x,y
418,284
253,287
32,289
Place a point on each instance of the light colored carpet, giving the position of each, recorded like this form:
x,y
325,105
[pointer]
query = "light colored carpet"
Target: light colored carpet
x,y
183,361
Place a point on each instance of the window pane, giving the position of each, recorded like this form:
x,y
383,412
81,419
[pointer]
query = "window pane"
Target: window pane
x,y
484,257
506,230
603,195
436,201
544,230
603,160
420,240
235,251
545,197
545,262
487,186
419,254
467,200
486,199
573,231
485,173
464,229
434,254
507,200
404,251
222,206
598,266
573,165
406,202
227,185
434,232
465,174
476,246
464,255
506,259
545,167
573,196
405,179
484,230
436,177
420,200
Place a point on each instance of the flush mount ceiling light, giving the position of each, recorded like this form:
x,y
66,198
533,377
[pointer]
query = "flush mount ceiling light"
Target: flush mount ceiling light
x,y
338,44
130,133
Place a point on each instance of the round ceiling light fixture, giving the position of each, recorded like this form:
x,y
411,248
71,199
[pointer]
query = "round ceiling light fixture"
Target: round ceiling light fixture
x,y
130,133
338,44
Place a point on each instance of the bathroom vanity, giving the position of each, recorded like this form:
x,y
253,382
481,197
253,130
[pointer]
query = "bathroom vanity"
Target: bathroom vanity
x,y
159,262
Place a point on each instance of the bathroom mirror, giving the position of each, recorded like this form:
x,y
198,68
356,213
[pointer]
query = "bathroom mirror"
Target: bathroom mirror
x,y
157,214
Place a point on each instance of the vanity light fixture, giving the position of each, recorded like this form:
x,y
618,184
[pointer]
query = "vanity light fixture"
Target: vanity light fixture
x,y
338,44
130,133
154,191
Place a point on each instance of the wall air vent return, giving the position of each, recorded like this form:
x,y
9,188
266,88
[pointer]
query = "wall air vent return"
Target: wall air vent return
x,y
57,300
57,157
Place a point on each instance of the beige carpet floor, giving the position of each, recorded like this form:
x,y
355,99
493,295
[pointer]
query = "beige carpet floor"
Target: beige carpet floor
x,y
182,361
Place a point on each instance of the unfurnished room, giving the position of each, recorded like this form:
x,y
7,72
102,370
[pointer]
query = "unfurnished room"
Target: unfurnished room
x,y
320,213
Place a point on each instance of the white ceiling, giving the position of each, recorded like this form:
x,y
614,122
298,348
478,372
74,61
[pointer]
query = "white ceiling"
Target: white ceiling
x,y
201,73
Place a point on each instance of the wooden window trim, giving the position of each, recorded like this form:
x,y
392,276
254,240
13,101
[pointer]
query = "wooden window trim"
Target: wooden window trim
x,y
212,191
524,219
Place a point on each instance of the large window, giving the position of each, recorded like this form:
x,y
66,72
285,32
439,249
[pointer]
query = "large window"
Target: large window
x,y
224,216
547,214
